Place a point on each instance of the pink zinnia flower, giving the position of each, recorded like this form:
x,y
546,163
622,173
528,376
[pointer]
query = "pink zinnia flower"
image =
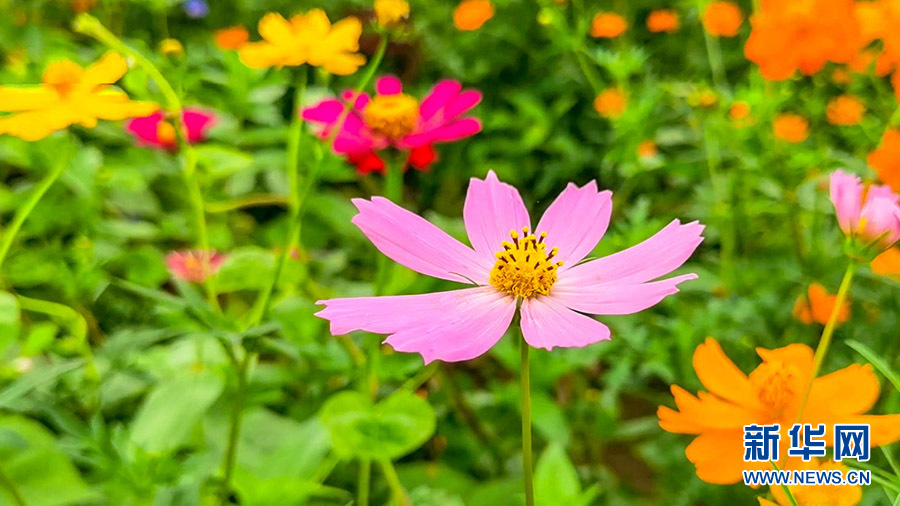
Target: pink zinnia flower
x,y
158,132
870,212
195,266
394,119
508,263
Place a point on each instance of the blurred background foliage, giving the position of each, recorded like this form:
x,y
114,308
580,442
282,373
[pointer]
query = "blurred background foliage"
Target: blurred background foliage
x,y
139,415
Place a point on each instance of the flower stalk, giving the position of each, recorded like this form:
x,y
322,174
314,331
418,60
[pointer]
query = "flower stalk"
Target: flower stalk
x,y
527,467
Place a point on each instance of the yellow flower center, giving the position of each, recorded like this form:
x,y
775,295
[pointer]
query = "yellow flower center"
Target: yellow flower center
x,y
392,116
165,133
524,268
776,384
63,76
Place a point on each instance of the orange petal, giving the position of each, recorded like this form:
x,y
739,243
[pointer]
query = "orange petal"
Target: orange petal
x,y
673,421
710,411
851,390
720,376
798,355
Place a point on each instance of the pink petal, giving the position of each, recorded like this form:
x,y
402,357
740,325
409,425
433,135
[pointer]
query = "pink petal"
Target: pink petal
x,y
616,298
326,112
491,211
388,85
442,133
657,256
846,195
450,326
197,122
576,221
463,103
881,219
145,130
458,329
413,241
547,323
442,94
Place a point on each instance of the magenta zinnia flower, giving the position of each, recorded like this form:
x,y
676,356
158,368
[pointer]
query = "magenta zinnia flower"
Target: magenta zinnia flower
x,y
195,266
394,119
508,263
868,212
158,132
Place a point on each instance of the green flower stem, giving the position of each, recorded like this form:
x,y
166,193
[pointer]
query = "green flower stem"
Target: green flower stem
x,y
234,428
828,332
89,25
11,489
397,492
714,56
527,468
364,482
25,209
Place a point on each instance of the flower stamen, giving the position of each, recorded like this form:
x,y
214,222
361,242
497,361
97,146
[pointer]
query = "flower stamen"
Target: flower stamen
x,y
392,116
524,268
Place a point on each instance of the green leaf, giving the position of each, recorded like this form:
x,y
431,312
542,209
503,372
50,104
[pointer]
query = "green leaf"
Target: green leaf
x,y
388,430
273,446
172,410
43,475
876,361
556,480
34,379
246,269
10,320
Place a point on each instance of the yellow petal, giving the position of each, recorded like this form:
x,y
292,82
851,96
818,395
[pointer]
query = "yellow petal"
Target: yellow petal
x,y
345,64
26,99
114,105
35,125
275,29
107,70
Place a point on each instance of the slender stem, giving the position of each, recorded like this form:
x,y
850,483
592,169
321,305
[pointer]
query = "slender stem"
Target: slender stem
x,y
89,25
714,56
234,429
248,201
294,201
25,209
390,474
713,160
11,489
363,484
828,332
526,425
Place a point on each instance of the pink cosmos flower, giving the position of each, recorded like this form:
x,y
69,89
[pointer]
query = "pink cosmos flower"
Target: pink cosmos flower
x,y
156,131
870,212
195,266
394,119
507,263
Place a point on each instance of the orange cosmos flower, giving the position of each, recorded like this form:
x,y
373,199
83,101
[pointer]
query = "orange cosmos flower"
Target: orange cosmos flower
x,y
231,38
611,103
306,39
722,19
647,149
739,113
887,263
886,159
841,76
608,25
772,393
472,14
817,305
845,110
789,35
791,128
390,13
663,20
69,95
813,495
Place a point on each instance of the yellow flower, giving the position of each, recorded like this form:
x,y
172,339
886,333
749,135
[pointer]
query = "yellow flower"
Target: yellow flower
x,y
306,39
171,47
69,95
391,13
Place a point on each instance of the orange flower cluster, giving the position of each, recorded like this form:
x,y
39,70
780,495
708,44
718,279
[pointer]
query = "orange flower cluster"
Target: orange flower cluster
x,y
231,38
886,159
817,305
472,14
722,19
792,128
772,393
792,35
663,20
845,110
611,103
879,21
887,263
608,25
